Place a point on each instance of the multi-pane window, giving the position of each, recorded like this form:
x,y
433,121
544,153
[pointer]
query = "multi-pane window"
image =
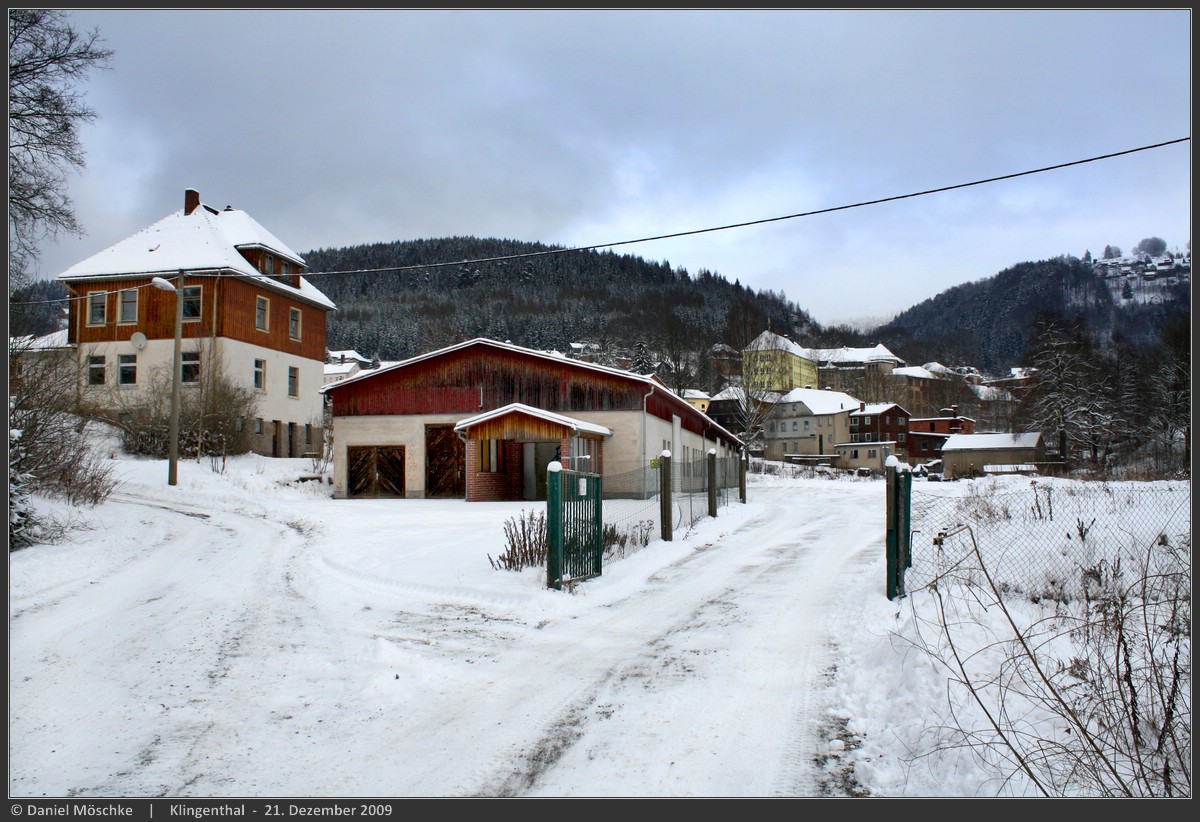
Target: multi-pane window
x,y
191,302
262,313
900,437
268,264
260,375
127,369
294,323
129,301
189,366
293,381
95,373
97,307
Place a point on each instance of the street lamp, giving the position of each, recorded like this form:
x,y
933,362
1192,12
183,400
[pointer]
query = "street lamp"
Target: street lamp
x,y
173,465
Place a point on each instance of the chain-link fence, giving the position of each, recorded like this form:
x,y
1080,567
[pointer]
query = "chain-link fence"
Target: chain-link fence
x,y
690,488
1049,541
631,510
633,500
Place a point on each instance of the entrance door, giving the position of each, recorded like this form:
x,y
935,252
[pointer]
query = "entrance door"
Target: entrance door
x,y
445,463
375,470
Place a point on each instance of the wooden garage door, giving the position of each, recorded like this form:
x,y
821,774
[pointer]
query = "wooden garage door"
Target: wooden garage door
x,y
376,470
445,462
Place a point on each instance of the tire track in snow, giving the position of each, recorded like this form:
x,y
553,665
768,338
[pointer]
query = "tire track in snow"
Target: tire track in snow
x,y
740,596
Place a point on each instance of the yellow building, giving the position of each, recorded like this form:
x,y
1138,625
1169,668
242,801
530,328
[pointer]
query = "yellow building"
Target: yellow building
x,y
775,363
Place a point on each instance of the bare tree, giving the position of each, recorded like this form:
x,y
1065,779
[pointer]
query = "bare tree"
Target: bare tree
x,y
47,60
51,452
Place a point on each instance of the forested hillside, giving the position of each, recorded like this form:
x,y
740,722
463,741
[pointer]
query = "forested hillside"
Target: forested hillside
x,y
414,296
989,323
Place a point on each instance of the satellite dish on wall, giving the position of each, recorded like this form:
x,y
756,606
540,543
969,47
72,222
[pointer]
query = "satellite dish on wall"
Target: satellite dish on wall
x,y
138,340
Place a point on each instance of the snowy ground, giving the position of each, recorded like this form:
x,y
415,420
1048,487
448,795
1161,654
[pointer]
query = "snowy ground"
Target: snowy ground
x,y
246,635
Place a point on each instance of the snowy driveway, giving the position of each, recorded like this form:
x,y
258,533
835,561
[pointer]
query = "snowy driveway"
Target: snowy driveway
x,y
215,641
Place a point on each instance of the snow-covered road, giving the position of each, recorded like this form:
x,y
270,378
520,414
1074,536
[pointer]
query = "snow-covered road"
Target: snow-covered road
x,y
209,641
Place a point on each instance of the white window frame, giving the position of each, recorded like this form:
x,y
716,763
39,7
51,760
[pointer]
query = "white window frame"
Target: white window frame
x,y
186,359
193,295
97,299
262,313
260,375
97,363
122,304
126,364
295,323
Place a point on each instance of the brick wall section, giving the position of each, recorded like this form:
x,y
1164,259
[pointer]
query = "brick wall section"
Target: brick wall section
x,y
507,485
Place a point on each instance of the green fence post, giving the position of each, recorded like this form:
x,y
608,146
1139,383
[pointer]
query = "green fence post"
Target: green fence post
x,y
712,482
664,495
598,528
893,542
742,466
554,525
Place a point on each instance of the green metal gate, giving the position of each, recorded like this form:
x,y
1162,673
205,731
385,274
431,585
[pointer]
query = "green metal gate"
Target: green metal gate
x,y
574,525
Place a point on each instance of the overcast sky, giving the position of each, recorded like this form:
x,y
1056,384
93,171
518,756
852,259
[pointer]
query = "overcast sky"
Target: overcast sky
x,y
580,128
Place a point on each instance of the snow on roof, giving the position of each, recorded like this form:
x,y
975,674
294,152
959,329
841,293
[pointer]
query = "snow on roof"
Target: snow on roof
x,y
983,442
334,368
695,394
915,371
206,240
821,402
46,342
569,422
874,408
349,354
770,341
991,393
846,356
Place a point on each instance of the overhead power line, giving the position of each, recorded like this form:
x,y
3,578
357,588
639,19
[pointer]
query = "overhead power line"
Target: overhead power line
x,y
751,222
746,224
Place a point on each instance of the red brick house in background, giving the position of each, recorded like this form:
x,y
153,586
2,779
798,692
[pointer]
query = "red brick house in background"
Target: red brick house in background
x,y
248,315
926,435
881,422
482,419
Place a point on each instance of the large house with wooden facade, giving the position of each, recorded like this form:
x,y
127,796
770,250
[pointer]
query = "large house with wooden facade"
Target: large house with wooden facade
x,y
481,420
248,315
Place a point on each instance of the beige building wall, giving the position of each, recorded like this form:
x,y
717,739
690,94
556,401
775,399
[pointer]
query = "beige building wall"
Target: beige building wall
x,y
625,450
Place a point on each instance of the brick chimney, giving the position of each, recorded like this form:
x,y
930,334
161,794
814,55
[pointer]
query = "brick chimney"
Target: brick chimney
x,y
191,201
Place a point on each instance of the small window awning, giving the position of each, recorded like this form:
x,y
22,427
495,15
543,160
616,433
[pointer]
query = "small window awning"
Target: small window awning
x,y
524,423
